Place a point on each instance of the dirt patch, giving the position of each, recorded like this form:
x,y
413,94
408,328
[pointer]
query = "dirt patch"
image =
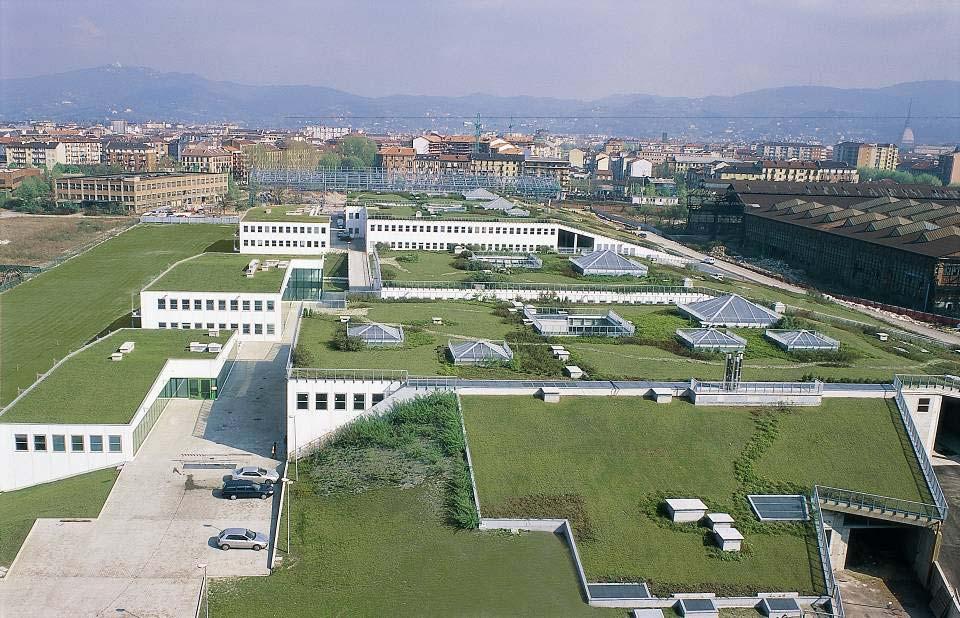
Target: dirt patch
x,y
36,240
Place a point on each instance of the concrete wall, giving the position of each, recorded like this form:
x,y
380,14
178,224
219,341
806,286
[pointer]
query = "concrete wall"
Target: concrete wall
x,y
755,399
152,316
925,422
284,237
26,468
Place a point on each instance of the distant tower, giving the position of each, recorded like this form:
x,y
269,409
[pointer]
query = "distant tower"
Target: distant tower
x,y
906,140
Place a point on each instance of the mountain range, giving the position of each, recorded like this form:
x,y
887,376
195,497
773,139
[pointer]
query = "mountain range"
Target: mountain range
x,y
139,94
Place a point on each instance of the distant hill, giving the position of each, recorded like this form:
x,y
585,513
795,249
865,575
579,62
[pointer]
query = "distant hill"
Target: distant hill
x,y
137,94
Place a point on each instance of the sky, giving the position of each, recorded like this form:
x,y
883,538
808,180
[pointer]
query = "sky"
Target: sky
x,y
584,49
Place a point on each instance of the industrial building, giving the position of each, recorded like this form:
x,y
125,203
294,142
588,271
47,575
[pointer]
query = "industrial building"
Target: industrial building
x,y
137,193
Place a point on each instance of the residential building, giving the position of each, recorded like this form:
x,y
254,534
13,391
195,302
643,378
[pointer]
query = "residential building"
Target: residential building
x,y
36,154
613,146
559,169
496,164
82,151
247,154
207,159
577,158
784,151
949,167
143,192
872,156
430,143
131,156
397,159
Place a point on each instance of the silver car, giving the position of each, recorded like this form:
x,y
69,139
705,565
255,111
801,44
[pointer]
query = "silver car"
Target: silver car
x,y
241,538
255,474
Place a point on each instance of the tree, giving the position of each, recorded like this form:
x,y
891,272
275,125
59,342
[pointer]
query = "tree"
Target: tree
x,y
300,156
330,160
868,174
235,197
358,151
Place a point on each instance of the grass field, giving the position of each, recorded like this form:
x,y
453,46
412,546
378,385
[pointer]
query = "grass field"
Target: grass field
x,y
277,214
220,272
609,462
46,317
383,523
92,388
36,240
78,496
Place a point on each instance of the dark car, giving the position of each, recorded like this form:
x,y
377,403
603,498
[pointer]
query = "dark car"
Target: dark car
x,y
239,488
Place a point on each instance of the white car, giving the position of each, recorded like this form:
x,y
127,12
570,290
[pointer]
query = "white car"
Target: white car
x,y
255,474
708,260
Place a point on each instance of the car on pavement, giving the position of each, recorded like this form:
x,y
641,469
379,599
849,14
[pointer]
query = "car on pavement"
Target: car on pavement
x,y
255,474
241,488
241,538
708,260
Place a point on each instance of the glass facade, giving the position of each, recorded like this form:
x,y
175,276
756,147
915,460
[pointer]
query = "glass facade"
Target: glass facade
x,y
304,284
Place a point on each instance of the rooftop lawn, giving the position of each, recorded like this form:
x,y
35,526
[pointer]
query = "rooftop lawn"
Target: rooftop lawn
x,y
609,463
220,272
91,388
59,310
77,496
282,213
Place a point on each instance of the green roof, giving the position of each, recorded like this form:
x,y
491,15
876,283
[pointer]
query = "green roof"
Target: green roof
x,y
280,213
91,388
219,272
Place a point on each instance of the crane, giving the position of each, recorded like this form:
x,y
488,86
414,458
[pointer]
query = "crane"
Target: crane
x,y
477,128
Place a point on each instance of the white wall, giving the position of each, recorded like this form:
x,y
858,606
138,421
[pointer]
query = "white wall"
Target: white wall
x,y
313,424
925,422
284,237
434,235
26,468
355,218
151,316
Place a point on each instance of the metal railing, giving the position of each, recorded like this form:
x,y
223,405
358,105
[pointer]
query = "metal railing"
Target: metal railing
x,y
773,388
376,278
368,375
225,220
433,382
926,382
882,504
920,451
829,582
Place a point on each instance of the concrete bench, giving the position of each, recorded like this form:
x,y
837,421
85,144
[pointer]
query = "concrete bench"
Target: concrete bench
x,y
196,346
661,395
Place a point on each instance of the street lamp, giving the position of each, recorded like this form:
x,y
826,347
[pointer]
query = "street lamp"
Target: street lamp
x,y
286,482
296,447
206,594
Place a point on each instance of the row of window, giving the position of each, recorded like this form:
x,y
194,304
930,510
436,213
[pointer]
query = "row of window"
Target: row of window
x,y
58,443
321,401
437,246
284,243
286,229
258,328
221,305
462,229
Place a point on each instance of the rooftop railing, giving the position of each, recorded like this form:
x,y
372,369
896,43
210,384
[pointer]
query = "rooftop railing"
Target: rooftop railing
x,y
357,375
926,382
549,287
907,509
919,449
829,581
772,388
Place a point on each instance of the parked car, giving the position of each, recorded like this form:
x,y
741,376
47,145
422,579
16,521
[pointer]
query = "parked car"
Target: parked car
x,y
708,260
255,474
241,538
239,488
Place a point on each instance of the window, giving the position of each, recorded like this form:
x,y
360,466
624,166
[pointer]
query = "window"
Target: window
x,y
185,325
359,401
161,324
161,303
76,444
271,329
234,326
173,303
258,329
923,404
198,325
198,304
377,398
59,443
39,443
114,444
222,326
209,304
184,304
20,442
269,305
321,401
303,401
258,305
222,305
96,444
246,329
246,305
340,401
233,305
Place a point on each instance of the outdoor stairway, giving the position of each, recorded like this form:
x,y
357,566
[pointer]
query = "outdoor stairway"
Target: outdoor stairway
x,y
879,507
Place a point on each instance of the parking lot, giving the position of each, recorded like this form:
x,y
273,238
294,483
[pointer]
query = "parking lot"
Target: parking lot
x,y
164,513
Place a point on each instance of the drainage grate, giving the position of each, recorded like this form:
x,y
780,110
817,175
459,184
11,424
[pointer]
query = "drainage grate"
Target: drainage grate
x,y
209,466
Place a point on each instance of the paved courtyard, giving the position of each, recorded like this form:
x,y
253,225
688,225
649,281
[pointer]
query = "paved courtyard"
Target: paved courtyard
x,y
140,557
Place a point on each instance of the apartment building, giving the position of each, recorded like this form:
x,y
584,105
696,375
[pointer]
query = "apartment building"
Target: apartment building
x,y
948,167
82,151
496,164
397,159
207,159
873,156
789,171
784,151
144,192
36,154
558,169
247,154
131,156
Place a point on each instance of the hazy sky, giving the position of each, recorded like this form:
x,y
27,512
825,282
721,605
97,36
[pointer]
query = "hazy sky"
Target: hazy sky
x,y
577,49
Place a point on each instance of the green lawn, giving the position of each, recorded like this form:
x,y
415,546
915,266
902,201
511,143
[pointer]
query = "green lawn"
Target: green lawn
x,y
280,214
621,456
78,496
53,313
220,272
92,388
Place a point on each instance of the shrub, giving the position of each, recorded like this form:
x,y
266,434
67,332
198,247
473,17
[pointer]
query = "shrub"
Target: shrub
x,y
304,356
345,343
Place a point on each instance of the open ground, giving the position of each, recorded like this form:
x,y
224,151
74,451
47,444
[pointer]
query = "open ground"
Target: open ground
x,y
35,240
